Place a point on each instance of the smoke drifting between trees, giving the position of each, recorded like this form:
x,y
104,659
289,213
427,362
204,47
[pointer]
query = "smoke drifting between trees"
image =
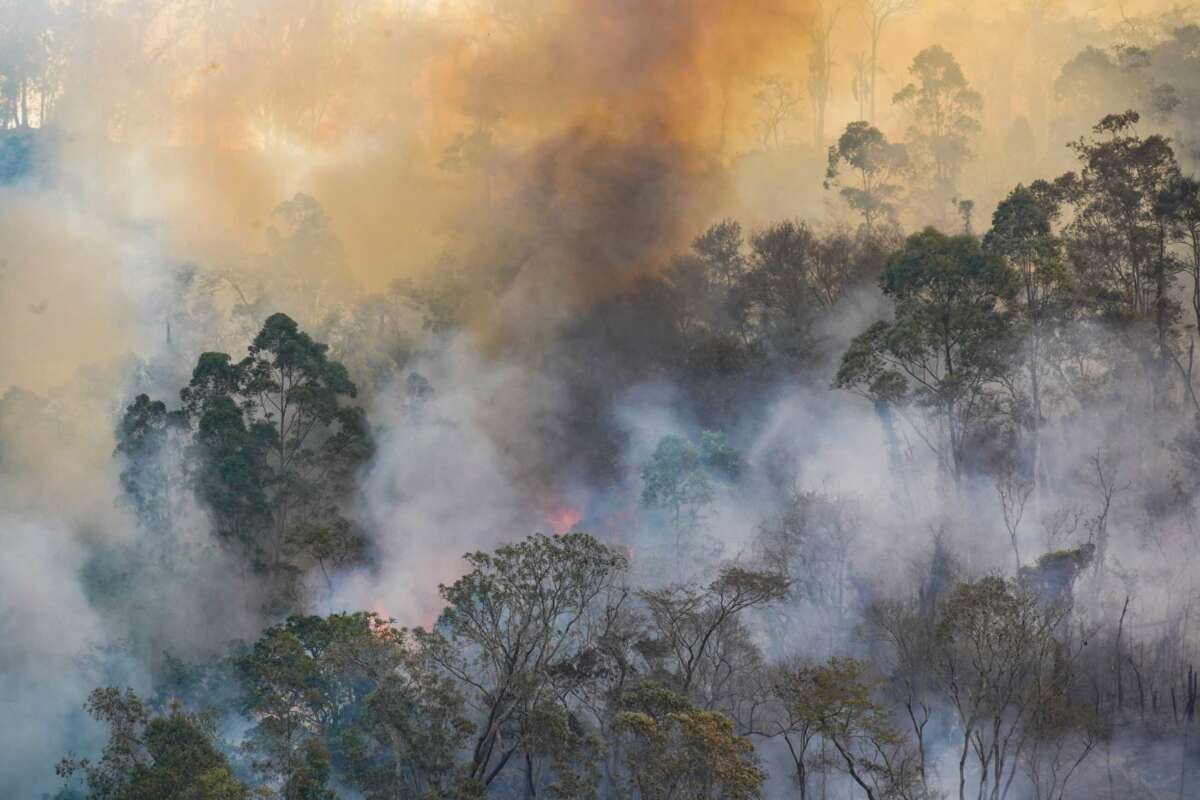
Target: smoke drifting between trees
x,y
817,414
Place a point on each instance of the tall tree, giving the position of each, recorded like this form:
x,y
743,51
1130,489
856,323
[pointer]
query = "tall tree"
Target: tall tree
x,y
820,64
1121,232
511,627
877,166
879,13
279,447
944,118
1022,233
150,756
948,344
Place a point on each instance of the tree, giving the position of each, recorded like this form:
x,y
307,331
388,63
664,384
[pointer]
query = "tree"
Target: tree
x,y
777,100
277,447
944,112
293,699
511,626
331,545
860,84
946,348
309,780
834,700
820,65
354,692
1181,200
415,713
904,630
152,756
798,730
679,478
672,749
877,165
1097,80
997,659
304,254
878,14
705,283
30,37
1120,236
148,442
230,467
810,541
688,622
1063,732
1022,233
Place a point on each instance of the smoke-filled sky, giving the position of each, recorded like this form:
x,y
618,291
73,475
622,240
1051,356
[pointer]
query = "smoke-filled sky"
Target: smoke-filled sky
x,y
182,126
571,145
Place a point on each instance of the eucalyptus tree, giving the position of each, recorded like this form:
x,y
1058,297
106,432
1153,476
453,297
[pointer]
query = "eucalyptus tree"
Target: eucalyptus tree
x,y
1023,234
876,166
938,363
879,15
998,661
277,443
1121,232
511,629
149,755
944,120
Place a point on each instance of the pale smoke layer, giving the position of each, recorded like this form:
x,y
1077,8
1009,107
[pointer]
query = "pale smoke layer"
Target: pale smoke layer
x,y
48,628
441,485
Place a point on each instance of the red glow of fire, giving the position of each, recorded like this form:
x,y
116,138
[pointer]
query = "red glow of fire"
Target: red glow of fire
x,y
563,518
381,625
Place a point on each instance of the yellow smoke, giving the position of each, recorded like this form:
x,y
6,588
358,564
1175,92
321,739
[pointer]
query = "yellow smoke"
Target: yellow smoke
x,y
580,141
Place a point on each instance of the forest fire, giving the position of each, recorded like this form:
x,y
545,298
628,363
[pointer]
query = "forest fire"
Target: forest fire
x,y
502,399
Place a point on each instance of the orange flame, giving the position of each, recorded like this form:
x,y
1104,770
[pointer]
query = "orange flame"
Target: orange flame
x,y
563,517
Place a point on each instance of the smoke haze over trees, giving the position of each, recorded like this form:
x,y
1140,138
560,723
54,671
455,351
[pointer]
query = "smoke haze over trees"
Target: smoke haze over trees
x,y
599,399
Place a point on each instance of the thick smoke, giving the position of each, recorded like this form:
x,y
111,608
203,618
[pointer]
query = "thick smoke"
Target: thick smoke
x,y
547,156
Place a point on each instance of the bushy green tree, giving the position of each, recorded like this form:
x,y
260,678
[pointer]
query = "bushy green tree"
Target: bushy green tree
x,y
948,345
274,445
876,167
153,756
1022,233
355,693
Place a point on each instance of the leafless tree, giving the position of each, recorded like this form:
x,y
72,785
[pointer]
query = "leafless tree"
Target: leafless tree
x,y
1013,490
777,100
878,14
820,65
